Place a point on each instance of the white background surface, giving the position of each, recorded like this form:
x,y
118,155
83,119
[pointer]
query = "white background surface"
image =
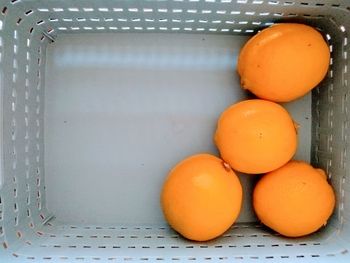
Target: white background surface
x,y
123,109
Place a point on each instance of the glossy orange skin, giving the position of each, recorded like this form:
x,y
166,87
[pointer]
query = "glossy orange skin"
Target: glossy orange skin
x,y
283,62
256,136
295,200
201,198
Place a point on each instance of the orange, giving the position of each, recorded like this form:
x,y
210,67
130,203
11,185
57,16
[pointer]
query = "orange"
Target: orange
x,y
283,62
294,200
256,136
202,197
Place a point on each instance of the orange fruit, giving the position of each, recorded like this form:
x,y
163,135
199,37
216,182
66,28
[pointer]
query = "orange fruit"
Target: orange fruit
x,y
256,136
202,197
294,200
283,62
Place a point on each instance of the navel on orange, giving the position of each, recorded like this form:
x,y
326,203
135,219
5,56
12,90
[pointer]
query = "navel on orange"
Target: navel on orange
x,y
294,200
202,197
283,62
256,136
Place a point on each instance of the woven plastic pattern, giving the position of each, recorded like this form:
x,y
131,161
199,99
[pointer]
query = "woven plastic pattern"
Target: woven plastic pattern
x,y
28,26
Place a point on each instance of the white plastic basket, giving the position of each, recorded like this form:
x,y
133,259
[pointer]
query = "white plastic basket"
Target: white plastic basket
x,y
91,124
